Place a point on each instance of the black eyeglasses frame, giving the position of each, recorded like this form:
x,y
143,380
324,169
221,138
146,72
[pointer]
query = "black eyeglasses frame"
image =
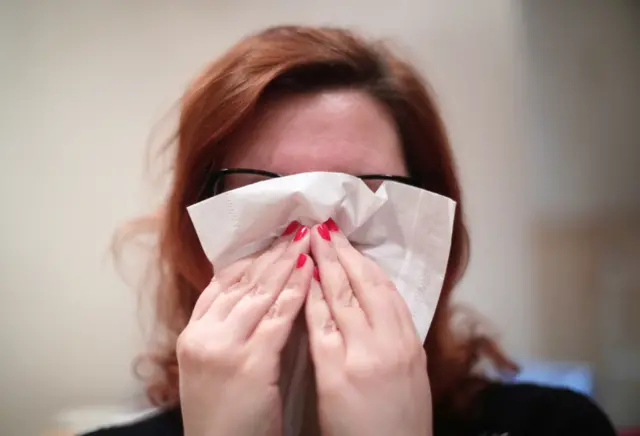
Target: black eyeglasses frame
x,y
212,180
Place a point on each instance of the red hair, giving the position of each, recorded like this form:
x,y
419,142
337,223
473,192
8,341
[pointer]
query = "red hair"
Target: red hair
x,y
288,60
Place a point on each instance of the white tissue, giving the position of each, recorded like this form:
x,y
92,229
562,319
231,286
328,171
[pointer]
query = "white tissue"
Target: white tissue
x,y
405,230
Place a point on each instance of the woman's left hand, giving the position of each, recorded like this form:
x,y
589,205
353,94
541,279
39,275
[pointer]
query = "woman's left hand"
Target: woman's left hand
x,y
371,371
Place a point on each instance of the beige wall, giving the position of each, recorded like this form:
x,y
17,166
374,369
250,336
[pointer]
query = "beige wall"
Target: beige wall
x,y
84,84
583,98
589,286
583,148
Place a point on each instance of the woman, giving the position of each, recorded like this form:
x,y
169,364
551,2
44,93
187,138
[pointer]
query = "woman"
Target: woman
x,y
291,100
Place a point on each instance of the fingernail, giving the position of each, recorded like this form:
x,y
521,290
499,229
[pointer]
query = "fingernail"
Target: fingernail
x,y
301,232
331,225
293,225
301,260
323,231
316,273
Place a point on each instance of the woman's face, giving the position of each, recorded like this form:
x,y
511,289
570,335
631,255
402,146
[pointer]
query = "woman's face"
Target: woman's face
x,y
343,131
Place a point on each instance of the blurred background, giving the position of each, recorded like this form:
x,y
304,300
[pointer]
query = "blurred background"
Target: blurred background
x,y
542,99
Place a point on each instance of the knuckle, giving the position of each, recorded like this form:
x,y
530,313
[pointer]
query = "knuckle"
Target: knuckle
x,y
256,290
260,367
197,350
344,293
289,256
409,357
287,304
329,262
233,272
294,292
249,277
216,280
274,311
296,283
380,282
189,347
364,367
241,286
329,326
374,275
394,362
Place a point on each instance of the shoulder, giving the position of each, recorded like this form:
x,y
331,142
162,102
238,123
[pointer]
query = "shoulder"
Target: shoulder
x,y
538,410
162,423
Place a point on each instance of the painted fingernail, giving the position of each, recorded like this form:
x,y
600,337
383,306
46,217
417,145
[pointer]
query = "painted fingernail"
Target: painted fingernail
x,y
323,231
316,273
331,225
293,225
302,231
301,260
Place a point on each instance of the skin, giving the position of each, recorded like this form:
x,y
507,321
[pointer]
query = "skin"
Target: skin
x,y
370,366
342,131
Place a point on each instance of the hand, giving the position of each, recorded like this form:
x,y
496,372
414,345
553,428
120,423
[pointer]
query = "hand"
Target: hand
x,y
371,371
229,353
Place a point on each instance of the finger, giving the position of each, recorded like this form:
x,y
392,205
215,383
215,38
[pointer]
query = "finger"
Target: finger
x,y
376,293
256,302
262,266
274,328
342,302
325,338
274,279
293,232
222,280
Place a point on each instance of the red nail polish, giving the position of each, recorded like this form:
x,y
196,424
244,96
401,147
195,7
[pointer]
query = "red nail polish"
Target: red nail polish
x,y
316,273
302,231
301,260
293,225
323,231
331,225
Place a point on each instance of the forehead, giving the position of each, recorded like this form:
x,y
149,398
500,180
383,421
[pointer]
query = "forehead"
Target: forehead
x,y
340,130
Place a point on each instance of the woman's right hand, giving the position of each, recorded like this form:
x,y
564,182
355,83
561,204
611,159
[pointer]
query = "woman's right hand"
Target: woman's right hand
x,y
229,353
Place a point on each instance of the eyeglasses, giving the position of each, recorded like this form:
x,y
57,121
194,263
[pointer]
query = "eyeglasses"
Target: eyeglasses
x,y
231,178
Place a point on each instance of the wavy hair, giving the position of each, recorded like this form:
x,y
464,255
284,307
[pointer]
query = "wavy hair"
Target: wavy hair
x,y
292,59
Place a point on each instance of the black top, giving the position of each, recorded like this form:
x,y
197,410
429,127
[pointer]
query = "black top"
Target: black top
x,y
503,410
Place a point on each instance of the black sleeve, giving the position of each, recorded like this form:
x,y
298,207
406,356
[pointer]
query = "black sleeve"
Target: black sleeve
x,y
165,423
577,414
526,409
511,409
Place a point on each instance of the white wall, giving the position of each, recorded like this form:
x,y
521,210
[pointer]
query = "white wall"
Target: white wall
x,y
582,70
83,85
